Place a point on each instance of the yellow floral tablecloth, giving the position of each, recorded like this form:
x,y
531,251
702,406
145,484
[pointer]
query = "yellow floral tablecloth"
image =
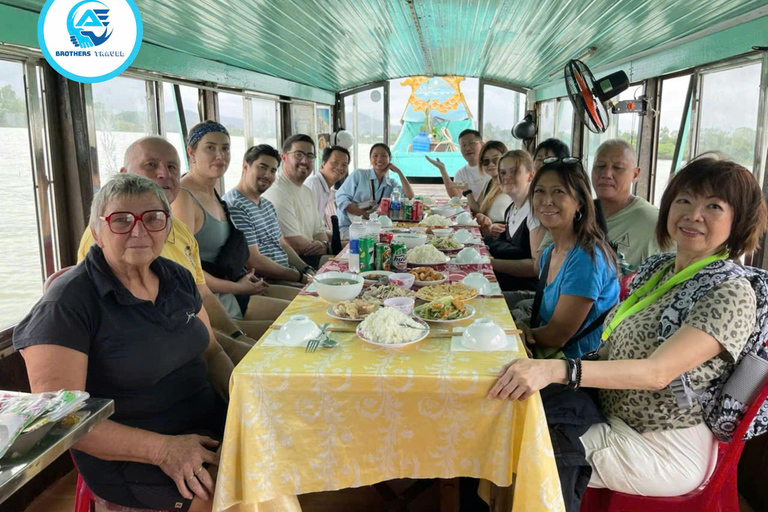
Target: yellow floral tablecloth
x,y
359,414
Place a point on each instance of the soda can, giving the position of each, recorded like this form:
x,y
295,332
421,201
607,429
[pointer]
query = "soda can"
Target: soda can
x,y
366,247
399,255
384,206
386,238
383,256
407,211
418,209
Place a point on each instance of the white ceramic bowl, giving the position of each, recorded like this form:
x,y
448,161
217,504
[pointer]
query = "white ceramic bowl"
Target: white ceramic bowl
x,y
462,236
465,218
385,222
478,281
411,240
337,293
445,211
442,232
483,334
455,201
402,304
402,280
418,229
297,330
469,255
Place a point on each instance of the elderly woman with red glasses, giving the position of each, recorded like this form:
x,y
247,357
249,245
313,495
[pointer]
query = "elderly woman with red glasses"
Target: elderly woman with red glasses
x,y
128,325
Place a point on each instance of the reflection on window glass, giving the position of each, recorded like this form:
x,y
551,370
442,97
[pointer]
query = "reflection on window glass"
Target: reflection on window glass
x,y
565,120
264,116
20,268
673,93
349,116
440,108
502,109
173,124
190,97
547,120
728,113
370,124
231,116
620,126
121,114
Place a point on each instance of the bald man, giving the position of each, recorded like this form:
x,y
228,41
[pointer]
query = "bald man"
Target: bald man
x,y
155,158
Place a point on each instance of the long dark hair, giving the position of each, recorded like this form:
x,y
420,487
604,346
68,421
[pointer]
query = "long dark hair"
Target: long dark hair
x,y
576,182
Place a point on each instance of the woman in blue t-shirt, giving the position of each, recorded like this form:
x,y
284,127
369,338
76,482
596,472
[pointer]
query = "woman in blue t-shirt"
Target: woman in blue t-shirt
x,y
581,284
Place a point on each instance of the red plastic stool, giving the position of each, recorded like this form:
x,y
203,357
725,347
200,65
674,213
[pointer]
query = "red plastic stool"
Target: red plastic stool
x,y
719,494
85,501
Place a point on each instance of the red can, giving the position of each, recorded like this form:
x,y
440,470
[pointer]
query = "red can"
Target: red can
x,y
418,209
386,238
384,206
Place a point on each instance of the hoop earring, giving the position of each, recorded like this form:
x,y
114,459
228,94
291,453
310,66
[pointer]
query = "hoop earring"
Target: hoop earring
x,y
577,219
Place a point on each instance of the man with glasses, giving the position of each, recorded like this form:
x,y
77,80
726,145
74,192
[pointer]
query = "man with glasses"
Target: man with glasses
x,y
296,205
467,179
335,167
155,158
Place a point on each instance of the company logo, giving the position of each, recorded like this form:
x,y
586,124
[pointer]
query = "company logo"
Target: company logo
x,y
90,40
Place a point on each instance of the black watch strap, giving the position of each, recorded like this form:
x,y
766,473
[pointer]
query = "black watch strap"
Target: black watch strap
x,y
238,333
466,192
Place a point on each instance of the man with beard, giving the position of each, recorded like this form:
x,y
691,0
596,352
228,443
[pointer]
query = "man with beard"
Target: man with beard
x,y
255,216
295,204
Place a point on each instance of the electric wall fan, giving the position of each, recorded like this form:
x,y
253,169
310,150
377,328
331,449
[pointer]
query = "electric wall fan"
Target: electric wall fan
x,y
588,95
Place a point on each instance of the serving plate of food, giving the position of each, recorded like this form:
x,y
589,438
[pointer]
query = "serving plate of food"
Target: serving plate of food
x,y
447,244
426,255
388,327
444,310
385,291
427,275
438,291
353,310
373,276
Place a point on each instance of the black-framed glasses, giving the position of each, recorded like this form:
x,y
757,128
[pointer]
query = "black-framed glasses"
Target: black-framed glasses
x,y
485,162
300,155
567,160
122,223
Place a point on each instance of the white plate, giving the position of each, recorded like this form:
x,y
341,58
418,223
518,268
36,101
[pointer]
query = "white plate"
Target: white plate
x,y
368,273
483,260
472,225
427,283
447,259
421,336
470,315
330,313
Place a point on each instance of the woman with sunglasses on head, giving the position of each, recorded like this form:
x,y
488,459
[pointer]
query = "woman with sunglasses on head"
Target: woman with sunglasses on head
x,y
577,276
129,325
363,190
492,202
248,299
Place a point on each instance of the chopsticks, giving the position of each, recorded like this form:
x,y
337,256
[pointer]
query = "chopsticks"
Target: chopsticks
x,y
433,333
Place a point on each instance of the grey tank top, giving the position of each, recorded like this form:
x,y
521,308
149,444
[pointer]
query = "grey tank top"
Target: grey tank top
x,y
212,235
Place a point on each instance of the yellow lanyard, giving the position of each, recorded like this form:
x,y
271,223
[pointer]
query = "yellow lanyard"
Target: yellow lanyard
x,y
640,299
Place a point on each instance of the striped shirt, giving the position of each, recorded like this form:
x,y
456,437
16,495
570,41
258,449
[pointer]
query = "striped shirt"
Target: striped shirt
x,y
258,222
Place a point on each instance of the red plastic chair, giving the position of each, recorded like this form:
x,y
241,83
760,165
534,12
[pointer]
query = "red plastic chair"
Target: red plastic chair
x,y
719,494
85,500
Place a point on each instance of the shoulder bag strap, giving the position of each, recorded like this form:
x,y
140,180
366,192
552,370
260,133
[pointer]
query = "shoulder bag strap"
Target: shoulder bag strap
x,y
540,292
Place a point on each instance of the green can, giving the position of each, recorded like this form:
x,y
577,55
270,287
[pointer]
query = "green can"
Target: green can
x,y
399,257
383,256
407,211
366,246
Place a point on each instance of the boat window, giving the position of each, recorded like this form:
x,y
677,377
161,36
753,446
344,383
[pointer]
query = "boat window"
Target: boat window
x,y
231,116
502,109
264,114
190,97
20,262
547,120
364,113
673,95
172,123
564,126
121,110
728,113
621,126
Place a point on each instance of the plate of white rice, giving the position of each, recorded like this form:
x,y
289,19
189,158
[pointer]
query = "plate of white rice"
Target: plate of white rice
x,y
384,328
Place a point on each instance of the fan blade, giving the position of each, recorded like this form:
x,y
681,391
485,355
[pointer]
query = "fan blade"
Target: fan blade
x,y
588,99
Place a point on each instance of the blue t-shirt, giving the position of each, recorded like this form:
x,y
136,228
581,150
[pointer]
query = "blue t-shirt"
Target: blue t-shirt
x,y
582,276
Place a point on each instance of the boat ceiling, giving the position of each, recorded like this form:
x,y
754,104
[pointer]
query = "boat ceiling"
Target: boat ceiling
x,y
340,44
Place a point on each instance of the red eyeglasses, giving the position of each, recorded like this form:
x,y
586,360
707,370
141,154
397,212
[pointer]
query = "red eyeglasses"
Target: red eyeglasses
x,y
121,223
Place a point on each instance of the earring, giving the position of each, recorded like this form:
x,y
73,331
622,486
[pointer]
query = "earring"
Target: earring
x,y
577,216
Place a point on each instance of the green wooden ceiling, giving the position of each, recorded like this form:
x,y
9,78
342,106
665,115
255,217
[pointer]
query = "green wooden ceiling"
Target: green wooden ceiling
x,y
339,44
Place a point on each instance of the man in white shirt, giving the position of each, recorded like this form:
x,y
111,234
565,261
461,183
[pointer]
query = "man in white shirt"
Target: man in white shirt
x,y
335,167
295,204
468,178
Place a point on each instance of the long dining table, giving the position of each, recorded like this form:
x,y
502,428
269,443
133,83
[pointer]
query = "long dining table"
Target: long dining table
x,y
359,414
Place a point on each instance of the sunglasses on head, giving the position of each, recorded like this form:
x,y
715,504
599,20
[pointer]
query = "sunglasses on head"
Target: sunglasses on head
x,y
566,160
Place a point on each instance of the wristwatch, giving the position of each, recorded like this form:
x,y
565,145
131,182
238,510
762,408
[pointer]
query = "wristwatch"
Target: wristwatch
x,y
466,192
307,269
237,334
327,246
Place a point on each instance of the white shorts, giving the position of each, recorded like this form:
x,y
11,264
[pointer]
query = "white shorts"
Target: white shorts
x,y
661,463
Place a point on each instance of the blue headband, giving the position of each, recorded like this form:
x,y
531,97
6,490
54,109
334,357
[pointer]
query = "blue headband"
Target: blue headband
x,y
199,131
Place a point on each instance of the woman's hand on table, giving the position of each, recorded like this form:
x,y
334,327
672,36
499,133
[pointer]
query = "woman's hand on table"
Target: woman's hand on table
x,y
252,285
182,459
519,379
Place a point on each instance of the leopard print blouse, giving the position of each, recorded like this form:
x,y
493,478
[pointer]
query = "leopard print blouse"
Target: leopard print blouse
x,y
727,313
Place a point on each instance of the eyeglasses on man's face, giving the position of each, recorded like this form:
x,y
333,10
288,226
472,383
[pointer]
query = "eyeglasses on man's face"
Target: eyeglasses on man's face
x,y
121,223
300,155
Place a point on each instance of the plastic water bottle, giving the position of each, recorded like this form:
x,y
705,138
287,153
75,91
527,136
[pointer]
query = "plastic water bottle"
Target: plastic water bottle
x,y
356,231
395,205
372,229
420,143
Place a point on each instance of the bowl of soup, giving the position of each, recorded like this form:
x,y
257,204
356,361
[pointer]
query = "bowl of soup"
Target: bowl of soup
x,y
336,287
